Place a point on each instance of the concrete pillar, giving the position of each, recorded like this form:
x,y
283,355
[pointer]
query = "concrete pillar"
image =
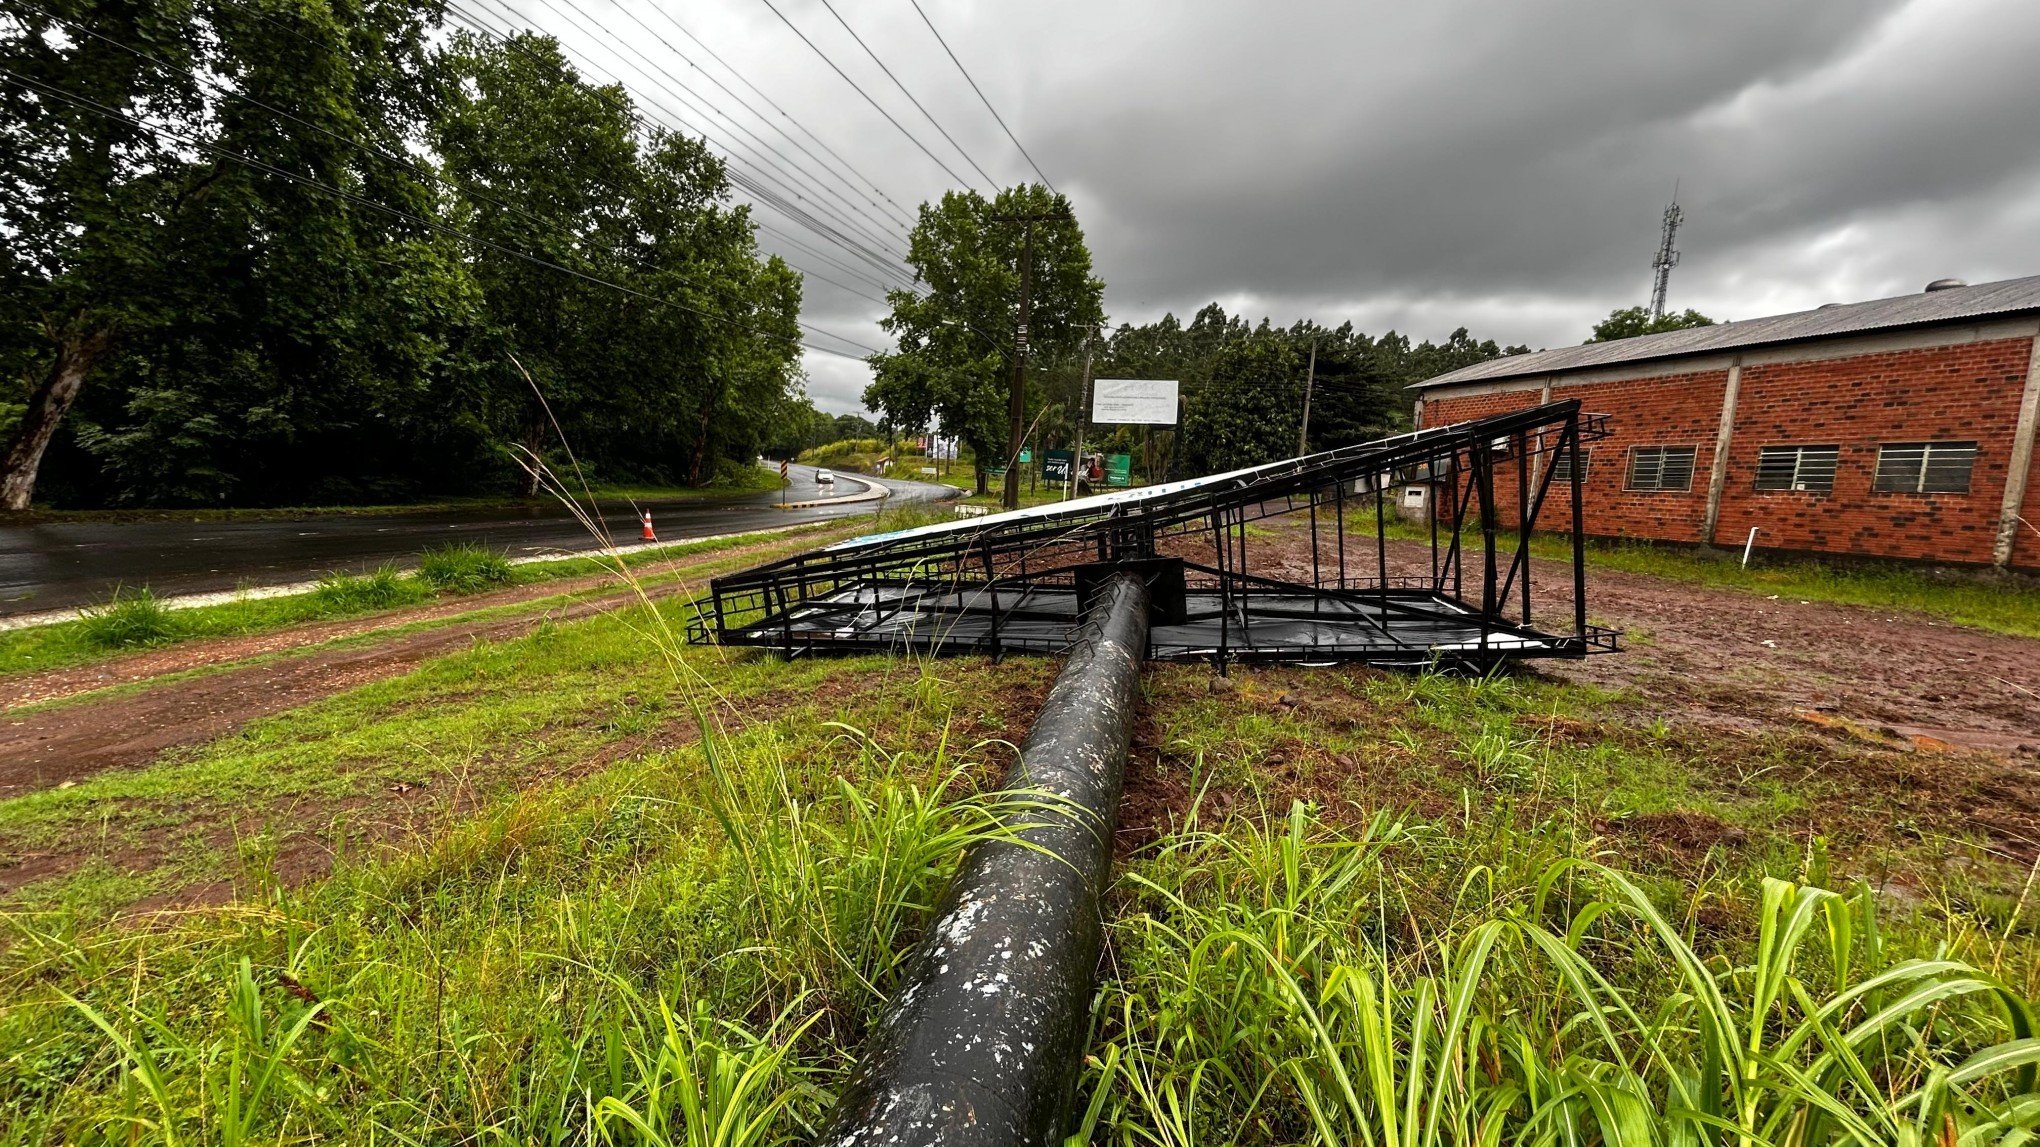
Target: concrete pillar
x,y
2020,468
1717,475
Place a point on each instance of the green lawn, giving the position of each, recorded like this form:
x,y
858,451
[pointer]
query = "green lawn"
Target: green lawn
x,y
2002,604
587,880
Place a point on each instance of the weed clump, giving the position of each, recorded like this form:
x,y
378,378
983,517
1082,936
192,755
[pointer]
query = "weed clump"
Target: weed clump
x,y
464,568
386,588
128,620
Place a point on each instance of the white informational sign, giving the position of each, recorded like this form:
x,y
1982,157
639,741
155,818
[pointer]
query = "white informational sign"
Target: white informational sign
x,y
1134,401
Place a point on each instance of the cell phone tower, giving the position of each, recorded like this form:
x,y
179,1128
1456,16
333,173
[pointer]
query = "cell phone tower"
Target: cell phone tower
x,y
1667,257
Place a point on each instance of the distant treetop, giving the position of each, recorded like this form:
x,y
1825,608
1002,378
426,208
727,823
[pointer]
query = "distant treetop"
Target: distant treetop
x,y
1633,321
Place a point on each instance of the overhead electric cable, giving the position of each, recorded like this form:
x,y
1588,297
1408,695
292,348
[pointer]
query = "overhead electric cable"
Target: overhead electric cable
x,y
849,184
885,263
981,95
905,216
40,88
764,168
701,106
914,139
910,96
411,165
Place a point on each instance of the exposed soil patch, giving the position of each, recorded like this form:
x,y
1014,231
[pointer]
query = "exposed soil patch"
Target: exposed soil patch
x,y
144,665
298,840
47,748
1729,658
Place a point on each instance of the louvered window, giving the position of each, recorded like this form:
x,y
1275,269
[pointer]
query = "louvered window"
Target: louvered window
x,y
1809,468
1661,467
1561,465
1925,467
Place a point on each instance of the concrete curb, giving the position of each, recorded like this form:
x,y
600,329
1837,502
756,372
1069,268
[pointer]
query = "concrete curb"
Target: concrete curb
x,y
259,593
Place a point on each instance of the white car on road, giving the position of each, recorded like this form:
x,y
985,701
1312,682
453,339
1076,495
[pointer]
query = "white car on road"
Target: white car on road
x,y
824,478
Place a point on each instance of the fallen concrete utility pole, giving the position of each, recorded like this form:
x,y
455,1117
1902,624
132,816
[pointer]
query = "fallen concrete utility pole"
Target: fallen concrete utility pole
x,y
982,1043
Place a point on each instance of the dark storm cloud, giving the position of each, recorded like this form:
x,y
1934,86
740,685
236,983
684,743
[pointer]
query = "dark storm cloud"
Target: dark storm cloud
x,y
1496,165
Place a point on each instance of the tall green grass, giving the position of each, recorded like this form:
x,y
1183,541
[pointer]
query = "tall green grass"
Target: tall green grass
x,y
463,568
128,619
1280,982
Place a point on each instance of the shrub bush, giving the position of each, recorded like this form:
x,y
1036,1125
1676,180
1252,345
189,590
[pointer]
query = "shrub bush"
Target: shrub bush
x,y
464,568
386,588
127,620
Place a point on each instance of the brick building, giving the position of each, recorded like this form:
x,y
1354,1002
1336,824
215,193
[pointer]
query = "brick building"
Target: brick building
x,y
1897,428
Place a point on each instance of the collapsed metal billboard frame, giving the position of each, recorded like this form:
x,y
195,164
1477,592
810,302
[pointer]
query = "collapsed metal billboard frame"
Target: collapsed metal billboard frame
x,y
1018,582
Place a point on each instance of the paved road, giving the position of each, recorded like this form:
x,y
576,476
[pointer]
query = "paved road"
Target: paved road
x,y
64,564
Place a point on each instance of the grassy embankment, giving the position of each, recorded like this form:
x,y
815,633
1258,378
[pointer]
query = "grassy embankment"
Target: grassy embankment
x,y
664,890
734,480
134,620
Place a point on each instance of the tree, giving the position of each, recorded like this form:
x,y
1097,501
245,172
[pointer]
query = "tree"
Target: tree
x,y
955,346
1629,322
87,199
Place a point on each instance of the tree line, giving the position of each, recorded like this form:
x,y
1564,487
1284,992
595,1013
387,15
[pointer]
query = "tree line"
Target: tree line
x,y
1243,384
282,251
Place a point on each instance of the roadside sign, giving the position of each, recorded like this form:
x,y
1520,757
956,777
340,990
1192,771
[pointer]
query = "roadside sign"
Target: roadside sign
x,y
1119,469
1055,465
1134,401
1026,455
929,470
995,471
784,469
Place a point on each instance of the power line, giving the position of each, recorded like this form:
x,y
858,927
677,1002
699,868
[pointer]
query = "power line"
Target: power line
x,y
786,166
911,137
981,95
764,167
884,262
847,183
910,96
410,165
51,91
905,217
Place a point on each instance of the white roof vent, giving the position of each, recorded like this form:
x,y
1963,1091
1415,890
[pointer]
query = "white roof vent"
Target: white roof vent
x,y
1944,284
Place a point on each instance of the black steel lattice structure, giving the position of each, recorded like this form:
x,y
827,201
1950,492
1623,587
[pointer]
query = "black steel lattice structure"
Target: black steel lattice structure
x,y
1019,581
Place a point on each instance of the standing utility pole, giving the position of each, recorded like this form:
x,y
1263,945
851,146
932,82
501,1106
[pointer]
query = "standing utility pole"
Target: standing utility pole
x,y
1083,416
1667,257
1309,382
1016,395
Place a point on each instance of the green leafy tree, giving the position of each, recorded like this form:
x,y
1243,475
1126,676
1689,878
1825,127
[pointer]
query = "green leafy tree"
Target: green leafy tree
x,y
88,201
1629,322
954,360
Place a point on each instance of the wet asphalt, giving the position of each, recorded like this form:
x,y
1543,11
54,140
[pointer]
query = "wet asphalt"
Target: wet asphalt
x,y
59,565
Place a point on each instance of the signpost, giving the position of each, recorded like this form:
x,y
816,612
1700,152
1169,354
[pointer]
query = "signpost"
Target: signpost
x,y
1134,401
1055,465
1119,469
785,468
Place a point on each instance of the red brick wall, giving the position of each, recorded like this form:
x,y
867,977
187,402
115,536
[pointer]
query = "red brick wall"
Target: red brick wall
x,y
1675,410
1957,393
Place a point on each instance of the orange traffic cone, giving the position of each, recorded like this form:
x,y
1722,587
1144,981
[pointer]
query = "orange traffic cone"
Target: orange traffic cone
x,y
648,535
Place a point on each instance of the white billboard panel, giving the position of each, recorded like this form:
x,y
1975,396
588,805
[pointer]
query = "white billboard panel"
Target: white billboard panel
x,y
1134,401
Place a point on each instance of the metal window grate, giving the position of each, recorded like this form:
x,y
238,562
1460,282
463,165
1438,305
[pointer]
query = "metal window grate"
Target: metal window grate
x,y
1561,466
1661,468
1808,468
1924,467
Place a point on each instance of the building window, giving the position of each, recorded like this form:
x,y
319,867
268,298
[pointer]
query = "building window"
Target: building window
x,y
1661,467
1797,468
1561,465
1924,467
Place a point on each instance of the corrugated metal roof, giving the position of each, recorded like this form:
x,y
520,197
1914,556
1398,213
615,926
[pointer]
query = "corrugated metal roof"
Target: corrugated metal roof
x,y
1954,304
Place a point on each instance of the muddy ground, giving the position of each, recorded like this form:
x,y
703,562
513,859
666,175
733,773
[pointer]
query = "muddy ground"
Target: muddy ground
x,y
1726,657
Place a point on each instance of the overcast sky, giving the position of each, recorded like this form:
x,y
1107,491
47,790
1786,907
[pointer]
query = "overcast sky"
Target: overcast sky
x,y
1422,166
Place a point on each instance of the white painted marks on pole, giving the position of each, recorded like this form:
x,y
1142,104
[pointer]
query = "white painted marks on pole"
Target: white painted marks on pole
x,y
1134,401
